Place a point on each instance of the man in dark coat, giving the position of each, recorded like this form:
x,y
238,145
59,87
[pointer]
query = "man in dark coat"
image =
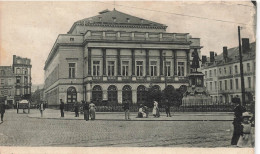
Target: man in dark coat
x,y
85,110
238,110
76,109
167,108
62,108
2,110
126,107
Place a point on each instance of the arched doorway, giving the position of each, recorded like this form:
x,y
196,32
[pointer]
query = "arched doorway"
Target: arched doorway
x,y
71,95
141,94
127,93
97,93
112,94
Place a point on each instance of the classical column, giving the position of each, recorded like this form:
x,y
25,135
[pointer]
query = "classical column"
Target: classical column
x,y
118,63
147,61
104,61
161,62
174,62
133,61
188,61
89,61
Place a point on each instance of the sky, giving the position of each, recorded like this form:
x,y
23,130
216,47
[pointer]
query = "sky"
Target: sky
x,y
29,29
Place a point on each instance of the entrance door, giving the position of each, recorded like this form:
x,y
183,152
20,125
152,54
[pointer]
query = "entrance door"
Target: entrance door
x,y
71,95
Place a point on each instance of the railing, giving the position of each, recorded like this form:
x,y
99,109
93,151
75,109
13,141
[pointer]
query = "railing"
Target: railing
x,y
162,37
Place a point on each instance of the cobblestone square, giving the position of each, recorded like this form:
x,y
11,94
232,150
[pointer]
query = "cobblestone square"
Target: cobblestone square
x,y
176,131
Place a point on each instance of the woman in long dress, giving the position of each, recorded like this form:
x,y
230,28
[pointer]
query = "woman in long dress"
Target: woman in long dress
x,y
92,109
155,109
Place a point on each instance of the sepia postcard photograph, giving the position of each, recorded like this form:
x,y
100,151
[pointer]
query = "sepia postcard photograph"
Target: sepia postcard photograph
x,y
128,76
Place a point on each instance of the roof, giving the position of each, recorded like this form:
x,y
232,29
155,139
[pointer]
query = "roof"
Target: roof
x,y
233,56
6,71
115,17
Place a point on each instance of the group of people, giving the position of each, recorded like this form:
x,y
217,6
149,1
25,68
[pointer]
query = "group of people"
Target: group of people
x,y
243,126
89,110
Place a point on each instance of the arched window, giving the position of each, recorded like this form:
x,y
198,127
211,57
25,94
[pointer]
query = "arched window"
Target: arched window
x,y
71,95
112,94
141,94
156,87
127,93
97,93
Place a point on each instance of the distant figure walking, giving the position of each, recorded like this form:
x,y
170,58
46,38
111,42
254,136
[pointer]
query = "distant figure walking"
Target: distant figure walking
x,y
85,110
76,109
238,110
156,112
167,108
92,109
126,107
41,108
2,111
62,108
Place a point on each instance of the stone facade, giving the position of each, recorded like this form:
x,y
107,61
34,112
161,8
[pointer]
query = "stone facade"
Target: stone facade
x,y
222,73
116,59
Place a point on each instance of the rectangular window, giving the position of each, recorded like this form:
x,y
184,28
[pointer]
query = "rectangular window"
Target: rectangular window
x,y
25,80
18,79
2,81
18,71
215,72
153,68
111,68
168,68
216,86
72,70
225,70
236,83
139,68
236,71
17,91
207,86
210,73
220,85
206,73
225,84
211,86
248,67
125,68
180,68
249,82
219,70
231,84
96,68
230,70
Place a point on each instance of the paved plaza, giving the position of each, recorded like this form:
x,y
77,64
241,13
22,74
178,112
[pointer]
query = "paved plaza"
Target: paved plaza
x,y
110,129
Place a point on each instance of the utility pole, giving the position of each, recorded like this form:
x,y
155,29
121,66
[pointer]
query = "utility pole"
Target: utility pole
x,y
241,69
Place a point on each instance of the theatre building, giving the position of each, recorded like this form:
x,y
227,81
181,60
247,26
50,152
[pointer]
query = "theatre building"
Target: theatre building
x,y
115,56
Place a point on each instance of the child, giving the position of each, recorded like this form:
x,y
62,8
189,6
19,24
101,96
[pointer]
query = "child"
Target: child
x,y
245,139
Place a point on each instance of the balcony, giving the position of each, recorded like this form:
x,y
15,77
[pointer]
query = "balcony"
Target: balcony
x,y
136,36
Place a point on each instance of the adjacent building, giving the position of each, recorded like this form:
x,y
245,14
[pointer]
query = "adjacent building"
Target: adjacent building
x,y
115,56
222,73
16,80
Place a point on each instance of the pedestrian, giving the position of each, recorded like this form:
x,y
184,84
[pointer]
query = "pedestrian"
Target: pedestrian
x,y
245,139
41,108
61,108
146,111
2,111
156,112
85,110
92,110
126,107
238,110
76,109
141,112
167,108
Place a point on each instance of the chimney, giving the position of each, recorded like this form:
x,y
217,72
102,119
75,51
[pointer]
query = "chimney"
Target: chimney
x,y
225,54
212,58
245,45
204,59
